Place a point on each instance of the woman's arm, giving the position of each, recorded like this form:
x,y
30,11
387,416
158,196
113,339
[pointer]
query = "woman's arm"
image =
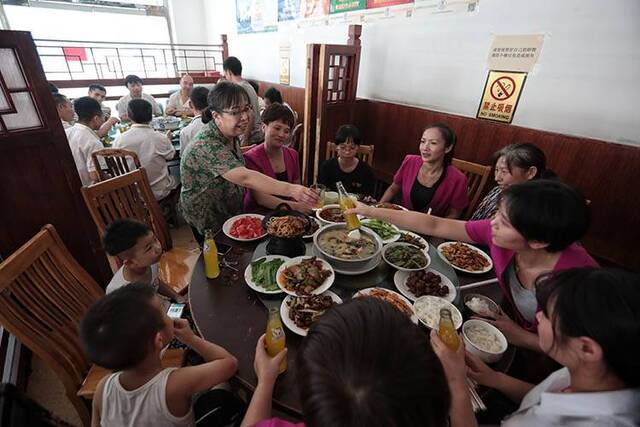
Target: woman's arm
x,y
513,388
270,202
253,180
454,213
419,222
390,193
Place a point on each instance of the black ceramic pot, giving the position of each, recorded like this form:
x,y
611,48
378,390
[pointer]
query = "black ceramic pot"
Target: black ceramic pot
x,y
286,246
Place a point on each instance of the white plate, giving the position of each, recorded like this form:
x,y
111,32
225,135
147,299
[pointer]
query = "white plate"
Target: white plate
x,y
436,303
284,313
484,255
320,224
400,280
402,208
228,223
384,241
320,289
367,292
324,221
253,285
373,263
417,236
393,245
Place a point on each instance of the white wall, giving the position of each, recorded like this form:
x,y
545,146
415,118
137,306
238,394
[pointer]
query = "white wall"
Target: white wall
x,y
586,83
188,23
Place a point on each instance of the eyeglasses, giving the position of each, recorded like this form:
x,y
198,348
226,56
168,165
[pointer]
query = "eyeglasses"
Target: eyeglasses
x,y
344,145
239,111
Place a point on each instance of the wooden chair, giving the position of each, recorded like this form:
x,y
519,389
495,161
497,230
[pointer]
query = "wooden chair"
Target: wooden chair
x,y
477,176
44,293
116,161
246,148
295,140
126,196
365,152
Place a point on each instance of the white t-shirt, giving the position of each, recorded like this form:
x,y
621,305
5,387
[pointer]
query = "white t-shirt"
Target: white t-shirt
x,y
118,280
191,130
175,101
145,406
545,405
153,149
123,104
83,141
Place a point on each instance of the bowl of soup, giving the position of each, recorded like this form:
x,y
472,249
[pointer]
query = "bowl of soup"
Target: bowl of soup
x,y
335,245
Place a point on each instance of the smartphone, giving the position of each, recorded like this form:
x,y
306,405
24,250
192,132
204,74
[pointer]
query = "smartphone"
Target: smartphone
x,y
175,310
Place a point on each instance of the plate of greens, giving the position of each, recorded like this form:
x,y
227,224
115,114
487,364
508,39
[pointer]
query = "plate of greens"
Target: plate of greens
x,y
388,232
260,275
405,257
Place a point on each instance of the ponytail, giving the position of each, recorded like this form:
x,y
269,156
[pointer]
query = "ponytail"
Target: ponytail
x,y
207,115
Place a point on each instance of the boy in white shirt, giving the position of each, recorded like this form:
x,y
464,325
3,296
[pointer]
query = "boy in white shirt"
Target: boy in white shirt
x,y
140,251
126,331
134,84
198,100
153,148
83,139
64,107
99,93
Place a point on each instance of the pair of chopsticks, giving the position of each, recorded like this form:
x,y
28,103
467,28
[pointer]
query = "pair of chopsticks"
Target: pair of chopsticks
x,y
476,402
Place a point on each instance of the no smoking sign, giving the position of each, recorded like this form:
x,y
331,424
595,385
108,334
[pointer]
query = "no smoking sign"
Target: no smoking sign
x,y
500,96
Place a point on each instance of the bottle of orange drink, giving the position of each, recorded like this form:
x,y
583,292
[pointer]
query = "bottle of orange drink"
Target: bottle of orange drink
x,y
210,255
447,331
275,337
346,202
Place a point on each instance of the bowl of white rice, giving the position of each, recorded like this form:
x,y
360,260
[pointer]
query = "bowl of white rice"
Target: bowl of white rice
x,y
427,309
480,305
483,340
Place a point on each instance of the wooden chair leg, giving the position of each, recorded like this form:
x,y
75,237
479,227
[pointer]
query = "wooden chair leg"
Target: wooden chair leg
x,y
83,408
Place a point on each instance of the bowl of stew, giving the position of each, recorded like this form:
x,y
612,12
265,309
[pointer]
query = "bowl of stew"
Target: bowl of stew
x,y
335,245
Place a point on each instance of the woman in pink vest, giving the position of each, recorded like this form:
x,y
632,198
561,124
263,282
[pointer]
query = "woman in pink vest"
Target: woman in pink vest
x,y
273,159
428,181
534,232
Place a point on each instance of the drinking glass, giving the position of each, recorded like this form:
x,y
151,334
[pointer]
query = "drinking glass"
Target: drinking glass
x,y
320,190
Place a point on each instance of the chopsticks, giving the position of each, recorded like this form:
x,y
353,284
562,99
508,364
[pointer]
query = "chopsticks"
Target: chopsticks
x,y
478,284
476,402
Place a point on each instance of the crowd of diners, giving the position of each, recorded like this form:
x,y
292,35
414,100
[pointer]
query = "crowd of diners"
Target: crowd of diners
x,y
362,363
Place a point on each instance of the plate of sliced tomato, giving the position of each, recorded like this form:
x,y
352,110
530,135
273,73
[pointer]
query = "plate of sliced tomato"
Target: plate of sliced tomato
x,y
244,228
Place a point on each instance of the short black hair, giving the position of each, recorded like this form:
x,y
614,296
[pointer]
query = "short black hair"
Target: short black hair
x,y
96,86
60,99
117,331
449,139
364,363
232,64
547,211
599,303
132,78
122,235
52,88
224,95
87,108
275,112
348,131
254,84
140,110
273,95
524,156
198,97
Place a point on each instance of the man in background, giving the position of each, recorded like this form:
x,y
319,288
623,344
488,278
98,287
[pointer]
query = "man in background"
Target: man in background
x,y
233,72
134,84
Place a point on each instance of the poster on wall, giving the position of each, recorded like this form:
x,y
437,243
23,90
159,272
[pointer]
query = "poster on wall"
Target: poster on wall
x,y
288,10
372,4
285,64
446,6
501,95
254,16
339,6
314,8
515,52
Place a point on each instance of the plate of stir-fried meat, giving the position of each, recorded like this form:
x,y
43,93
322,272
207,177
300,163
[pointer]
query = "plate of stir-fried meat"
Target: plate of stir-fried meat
x,y
304,276
395,299
298,313
465,257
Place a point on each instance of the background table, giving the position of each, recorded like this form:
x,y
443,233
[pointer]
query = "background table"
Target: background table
x,y
228,312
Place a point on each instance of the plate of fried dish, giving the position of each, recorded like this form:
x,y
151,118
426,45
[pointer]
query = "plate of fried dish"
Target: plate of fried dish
x,y
298,313
393,298
415,284
314,225
405,257
413,239
260,274
330,214
386,205
465,257
288,226
305,276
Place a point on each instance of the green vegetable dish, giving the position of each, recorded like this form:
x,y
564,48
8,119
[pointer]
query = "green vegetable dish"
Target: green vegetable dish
x,y
406,257
263,273
381,228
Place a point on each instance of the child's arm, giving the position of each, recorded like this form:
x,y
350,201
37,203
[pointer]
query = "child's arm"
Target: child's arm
x,y
267,371
513,388
220,365
96,407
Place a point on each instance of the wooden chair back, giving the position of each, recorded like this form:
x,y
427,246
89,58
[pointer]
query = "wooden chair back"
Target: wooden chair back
x,y
246,148
126,196
477,176
116,161
296,137
44,293
365,152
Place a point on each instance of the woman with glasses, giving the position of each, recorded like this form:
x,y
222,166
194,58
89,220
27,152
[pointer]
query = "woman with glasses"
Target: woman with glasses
x,y
273,159
428,181
212,169
355,174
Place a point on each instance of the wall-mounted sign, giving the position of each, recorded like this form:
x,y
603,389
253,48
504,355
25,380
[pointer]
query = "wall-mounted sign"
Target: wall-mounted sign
x,y
500,96
285,62
515,53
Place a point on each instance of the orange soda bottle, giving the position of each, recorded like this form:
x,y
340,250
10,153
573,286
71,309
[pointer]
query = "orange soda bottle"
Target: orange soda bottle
x,y
446,330
346,202
275,337
210,255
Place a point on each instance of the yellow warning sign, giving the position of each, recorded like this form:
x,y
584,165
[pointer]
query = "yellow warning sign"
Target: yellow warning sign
x,y
500,96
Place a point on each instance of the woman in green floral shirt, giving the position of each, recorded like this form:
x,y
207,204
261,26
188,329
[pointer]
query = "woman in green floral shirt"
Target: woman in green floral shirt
x,y
212,169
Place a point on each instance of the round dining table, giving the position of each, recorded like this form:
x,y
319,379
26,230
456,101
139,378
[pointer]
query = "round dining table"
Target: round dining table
x,y
229,313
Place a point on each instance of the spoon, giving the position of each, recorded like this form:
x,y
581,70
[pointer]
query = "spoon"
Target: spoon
x,y
354,234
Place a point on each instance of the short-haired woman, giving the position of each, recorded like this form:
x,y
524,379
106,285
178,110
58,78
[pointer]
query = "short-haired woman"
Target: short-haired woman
x,y
429,181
